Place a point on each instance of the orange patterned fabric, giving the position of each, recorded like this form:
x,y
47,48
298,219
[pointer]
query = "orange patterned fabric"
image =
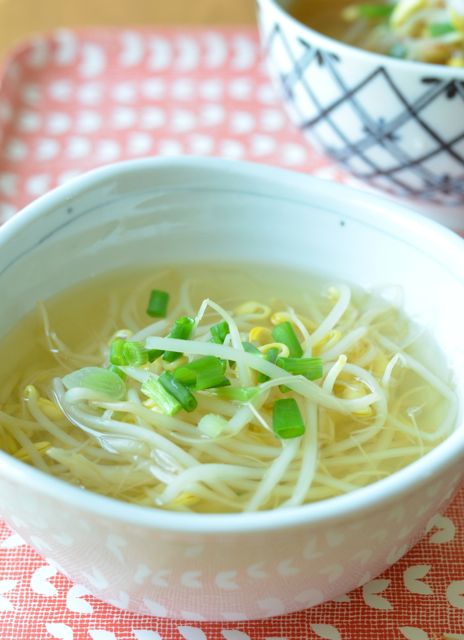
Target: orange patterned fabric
x,y
76,100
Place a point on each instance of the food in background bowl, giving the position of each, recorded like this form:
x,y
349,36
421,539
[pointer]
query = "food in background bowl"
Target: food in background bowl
x,y
251,388
396,124
422,30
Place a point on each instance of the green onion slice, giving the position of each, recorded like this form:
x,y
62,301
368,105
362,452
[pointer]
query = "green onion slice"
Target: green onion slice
x,y
128,353
135,353
437,29
181,330
158,304
204,373
271,356
103,381
285,333
179,391
250,348
212,426
224,383
119,372
219,332
238,394
154,354
287,421
375,11
166,402
311,368
117,352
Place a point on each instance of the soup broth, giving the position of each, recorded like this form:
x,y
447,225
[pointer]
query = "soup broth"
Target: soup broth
x,y
426,31
325,17
285,389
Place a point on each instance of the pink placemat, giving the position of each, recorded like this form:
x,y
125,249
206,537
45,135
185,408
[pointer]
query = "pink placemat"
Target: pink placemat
x,y
76,100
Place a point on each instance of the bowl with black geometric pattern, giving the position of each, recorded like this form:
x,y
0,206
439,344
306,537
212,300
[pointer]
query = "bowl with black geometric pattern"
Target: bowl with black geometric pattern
x,y
397,125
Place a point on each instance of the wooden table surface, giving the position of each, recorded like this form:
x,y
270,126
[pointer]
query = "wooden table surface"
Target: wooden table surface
x,y
22,18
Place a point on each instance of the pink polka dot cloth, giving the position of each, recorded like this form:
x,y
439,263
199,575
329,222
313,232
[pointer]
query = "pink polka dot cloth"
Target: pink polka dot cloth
x,y
75,100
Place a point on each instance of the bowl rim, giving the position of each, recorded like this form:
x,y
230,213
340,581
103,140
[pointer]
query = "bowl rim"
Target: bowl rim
x,y
382,60
349,506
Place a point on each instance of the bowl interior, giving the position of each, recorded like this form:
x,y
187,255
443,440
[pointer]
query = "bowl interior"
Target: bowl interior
x,y
149,212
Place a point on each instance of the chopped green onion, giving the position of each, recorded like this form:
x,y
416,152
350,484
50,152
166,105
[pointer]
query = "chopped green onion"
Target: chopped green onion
x,y
103,381
168,404
224,383
250,348
127,353
135,353
375,11
285,334
437,29
239,394
181,330
271,356
119,372
204,373
219,332
210,382
180,391
158,304
311,368
154,354
287,421
212,425
117,352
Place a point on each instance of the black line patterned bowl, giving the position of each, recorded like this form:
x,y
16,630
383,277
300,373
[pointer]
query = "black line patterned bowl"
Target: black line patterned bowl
x,y
395,124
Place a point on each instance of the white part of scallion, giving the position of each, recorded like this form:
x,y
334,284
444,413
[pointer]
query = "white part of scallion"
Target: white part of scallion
x,y
102,382
212,426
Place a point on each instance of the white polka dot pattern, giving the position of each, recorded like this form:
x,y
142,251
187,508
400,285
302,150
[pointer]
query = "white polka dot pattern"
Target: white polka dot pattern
x,y
168,93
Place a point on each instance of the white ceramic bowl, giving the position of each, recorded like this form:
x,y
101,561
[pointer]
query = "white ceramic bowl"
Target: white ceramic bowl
x,y
229,566
397,125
